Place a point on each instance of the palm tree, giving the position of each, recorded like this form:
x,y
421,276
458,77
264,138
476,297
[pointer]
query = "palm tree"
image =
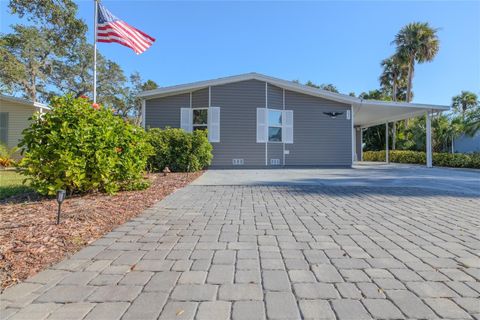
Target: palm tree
x,y
394,75
392,79
416,43
464,102
471,122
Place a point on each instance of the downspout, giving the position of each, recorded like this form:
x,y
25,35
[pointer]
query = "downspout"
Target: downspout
x,y
143,113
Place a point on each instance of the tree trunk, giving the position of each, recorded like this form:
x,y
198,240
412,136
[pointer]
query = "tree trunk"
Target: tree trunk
x,y
394,87
32,91
409,84
394,97
410,79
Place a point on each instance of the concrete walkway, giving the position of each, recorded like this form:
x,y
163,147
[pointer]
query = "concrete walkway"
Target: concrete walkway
x,y
273,252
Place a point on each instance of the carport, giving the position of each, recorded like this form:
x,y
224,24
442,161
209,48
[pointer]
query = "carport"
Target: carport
x,y
369,113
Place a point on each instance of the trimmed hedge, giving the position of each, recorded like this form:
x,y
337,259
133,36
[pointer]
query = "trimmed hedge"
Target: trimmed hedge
x,y
178,150
455,160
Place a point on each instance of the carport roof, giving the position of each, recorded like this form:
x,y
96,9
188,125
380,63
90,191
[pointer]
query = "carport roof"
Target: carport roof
x,y
366,112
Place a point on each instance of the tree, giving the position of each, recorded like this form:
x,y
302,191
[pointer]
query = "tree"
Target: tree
x,y
444,131
73,74
324,86
53,58
26,61
329,87
465,102
111,84
58,16
311,84
149,85
377,94
28,52
133,102
393,82
471,122
394,77
374,138
416,43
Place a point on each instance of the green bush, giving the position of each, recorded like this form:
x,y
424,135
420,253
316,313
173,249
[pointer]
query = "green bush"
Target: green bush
x,y
456,160
81,147
475,160
178,150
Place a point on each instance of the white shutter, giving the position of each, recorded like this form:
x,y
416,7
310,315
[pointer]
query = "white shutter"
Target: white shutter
x,y
186,119
214,124
262,125
288,126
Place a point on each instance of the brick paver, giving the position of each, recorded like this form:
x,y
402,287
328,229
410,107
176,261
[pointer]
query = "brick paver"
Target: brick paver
x,y
278,252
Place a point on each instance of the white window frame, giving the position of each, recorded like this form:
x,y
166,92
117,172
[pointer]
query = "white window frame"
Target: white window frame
x,y
274,126
199,125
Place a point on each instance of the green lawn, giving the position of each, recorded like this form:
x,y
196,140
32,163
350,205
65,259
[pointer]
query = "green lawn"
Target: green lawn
x,y
11,183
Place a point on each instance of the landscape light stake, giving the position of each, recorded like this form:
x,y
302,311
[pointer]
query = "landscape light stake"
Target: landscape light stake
x,y
60,199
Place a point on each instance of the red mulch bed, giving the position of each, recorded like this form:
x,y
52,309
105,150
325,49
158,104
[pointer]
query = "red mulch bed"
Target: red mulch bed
x,y
30,240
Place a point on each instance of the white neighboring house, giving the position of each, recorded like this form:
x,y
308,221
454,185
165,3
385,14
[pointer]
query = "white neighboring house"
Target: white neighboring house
x,y
14,118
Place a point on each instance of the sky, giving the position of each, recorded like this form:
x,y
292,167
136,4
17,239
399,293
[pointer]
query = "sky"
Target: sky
x,y
338,42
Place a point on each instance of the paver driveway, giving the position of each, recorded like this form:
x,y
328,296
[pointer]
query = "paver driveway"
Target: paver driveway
x,y
276,252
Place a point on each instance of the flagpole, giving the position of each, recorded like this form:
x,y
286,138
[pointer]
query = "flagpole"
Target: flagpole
x,y
95,17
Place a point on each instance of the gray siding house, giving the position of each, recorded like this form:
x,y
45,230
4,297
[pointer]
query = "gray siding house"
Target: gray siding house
x,y
258,121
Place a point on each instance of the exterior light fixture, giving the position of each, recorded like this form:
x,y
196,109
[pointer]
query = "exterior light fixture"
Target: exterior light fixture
x,y
60,198
333,115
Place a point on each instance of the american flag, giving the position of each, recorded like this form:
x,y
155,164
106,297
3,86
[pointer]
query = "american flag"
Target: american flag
x,y
112,29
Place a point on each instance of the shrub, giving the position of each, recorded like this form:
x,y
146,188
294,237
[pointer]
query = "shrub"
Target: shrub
x,y
475,160
455,160
83,147
7,155
178,150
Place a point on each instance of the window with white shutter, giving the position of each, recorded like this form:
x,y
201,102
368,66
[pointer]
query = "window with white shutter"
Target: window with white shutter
x,y
288,126
214,124
186,119
262,125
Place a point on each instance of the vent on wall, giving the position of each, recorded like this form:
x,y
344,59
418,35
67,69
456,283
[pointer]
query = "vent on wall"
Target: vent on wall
x,y
237,162
275,162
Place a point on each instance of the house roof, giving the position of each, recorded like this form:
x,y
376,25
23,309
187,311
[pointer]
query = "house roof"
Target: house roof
x,y
23,101
367,112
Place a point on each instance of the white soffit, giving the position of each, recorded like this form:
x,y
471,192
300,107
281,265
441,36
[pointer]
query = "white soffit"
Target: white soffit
x,y
371,115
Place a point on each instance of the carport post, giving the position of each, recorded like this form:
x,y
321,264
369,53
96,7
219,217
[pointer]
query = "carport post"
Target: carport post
x,y
387,158
428,144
